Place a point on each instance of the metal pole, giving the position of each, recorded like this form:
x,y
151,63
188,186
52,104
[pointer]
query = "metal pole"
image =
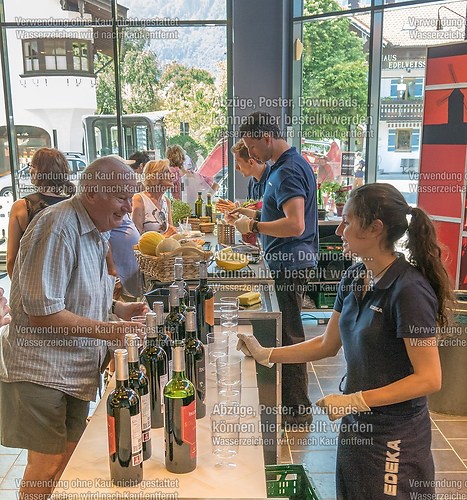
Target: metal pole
x,y
10,125
116,50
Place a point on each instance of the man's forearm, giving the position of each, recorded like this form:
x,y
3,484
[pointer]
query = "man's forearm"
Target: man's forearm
x,y
282,228
74,325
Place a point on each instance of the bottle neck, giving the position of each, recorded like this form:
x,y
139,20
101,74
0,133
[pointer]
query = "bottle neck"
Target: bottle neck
x,y
178,367
190,334
133,366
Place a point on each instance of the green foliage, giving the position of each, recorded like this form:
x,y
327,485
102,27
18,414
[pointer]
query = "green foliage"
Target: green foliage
x,y
335,73
190,145
336,191
180,211
139,74
192,97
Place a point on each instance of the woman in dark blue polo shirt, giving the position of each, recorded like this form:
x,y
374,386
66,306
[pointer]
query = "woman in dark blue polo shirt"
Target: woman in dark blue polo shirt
x,y
385,317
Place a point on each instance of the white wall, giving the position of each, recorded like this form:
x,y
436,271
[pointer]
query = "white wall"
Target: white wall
x,y
52,102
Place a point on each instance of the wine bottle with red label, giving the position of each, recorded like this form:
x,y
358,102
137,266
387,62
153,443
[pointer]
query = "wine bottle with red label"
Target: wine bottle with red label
x,y
204,303
154,364
140,383
124,428
180,417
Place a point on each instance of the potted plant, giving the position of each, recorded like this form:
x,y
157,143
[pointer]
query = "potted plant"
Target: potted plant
x,y
336,192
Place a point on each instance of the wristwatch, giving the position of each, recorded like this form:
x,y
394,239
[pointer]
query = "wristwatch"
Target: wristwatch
x,y
112,309
254,227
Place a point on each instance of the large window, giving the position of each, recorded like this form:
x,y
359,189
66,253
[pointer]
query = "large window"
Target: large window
x,y
56,56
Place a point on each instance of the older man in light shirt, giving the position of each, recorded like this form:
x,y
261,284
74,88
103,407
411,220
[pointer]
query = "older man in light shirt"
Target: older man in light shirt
x,y
61,297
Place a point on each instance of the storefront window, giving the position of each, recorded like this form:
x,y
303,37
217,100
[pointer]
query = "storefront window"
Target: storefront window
x,y
334,98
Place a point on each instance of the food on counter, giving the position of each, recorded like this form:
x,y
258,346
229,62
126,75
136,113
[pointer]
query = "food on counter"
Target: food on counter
x,y
148,242
171,231
249,299
225,205
167,245
230,260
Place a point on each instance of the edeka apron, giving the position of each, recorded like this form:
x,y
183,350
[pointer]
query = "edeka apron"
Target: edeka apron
x,y
381,457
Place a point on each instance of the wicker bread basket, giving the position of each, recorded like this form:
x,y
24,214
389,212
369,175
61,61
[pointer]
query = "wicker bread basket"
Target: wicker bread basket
x,y
162,267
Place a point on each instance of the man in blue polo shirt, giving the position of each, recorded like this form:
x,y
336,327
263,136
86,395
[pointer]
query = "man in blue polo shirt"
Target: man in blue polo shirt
x,y
288,227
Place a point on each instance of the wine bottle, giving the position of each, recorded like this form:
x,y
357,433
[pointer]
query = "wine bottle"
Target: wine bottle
x,y
124,428
204,302
183,296
175,321
154,364
208,207
180,418
140,384
195,361
199,205
164,339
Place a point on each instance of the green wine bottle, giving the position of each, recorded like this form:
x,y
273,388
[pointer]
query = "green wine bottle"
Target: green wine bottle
x,y
180,418
139,383
195,361
124,428
199,205
208,208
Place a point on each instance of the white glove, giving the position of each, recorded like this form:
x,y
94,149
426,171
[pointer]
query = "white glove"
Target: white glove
x,y
338,405
251,347
243,224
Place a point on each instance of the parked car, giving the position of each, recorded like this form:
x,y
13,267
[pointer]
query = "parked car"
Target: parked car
x,y
76,161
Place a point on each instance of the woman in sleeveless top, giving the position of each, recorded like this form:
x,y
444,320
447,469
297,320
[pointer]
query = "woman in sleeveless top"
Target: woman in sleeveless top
x,y
50,175
151,208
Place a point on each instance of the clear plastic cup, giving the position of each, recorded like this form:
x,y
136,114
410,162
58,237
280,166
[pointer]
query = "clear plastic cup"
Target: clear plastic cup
x,y
225,437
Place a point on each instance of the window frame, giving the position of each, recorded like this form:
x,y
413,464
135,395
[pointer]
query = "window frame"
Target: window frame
x,y
69,55
398,147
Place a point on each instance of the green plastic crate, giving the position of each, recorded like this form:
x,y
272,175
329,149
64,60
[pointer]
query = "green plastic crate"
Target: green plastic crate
x,y
289,481
325,300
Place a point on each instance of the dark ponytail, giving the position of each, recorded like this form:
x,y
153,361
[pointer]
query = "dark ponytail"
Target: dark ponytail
x,y
384,202
425,255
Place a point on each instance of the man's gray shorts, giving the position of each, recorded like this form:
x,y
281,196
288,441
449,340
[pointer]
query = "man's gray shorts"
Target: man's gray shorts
x,y
40,418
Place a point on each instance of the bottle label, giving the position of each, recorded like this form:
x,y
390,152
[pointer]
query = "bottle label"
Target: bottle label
x,y
136,439
163,382
188,418
209,311
111,434
146,416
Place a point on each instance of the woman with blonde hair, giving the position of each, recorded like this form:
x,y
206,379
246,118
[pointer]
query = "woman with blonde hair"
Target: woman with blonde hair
x,y
151,208
50,176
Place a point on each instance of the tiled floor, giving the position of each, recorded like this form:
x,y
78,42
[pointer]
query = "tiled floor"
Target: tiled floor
x,y
317,451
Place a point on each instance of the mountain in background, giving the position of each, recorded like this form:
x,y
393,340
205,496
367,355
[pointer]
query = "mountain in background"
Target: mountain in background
x,y
202,47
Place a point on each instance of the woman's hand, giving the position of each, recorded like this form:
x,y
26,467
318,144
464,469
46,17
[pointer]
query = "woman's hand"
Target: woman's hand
x,y
251,347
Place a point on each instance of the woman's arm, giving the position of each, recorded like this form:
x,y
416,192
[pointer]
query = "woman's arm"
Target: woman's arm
x,y
169,211
137,215
324,346
426,379
17,225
